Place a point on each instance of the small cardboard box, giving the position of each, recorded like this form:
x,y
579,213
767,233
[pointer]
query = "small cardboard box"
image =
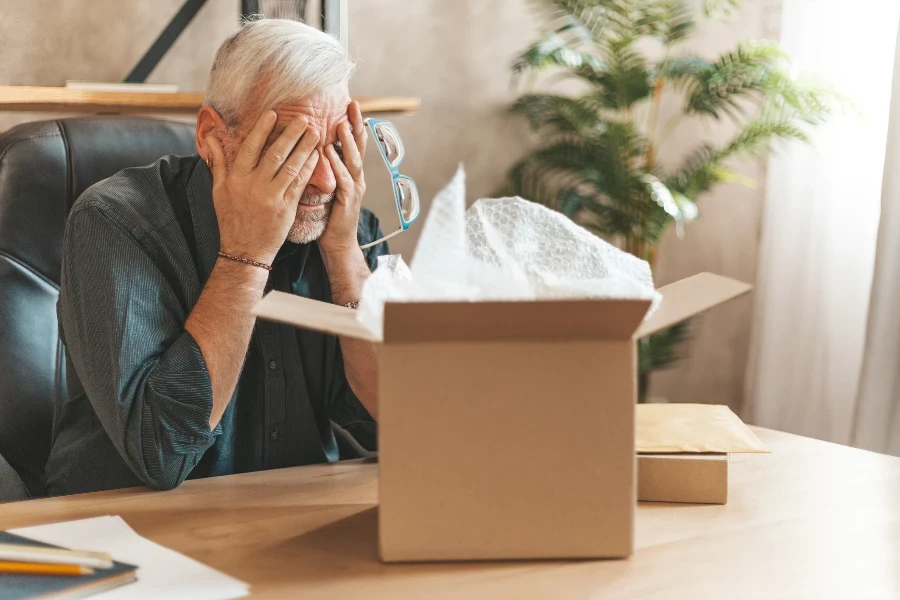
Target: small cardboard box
x,y
683,451
691,478
507,429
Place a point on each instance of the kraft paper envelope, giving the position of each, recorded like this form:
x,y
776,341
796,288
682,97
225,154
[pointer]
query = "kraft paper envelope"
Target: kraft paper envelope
x,y
694,428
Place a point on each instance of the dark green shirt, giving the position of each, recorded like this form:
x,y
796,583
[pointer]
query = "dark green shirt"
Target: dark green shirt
x,y
137,252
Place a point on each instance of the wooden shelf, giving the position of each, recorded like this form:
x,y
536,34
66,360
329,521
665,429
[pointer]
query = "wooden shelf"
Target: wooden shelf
x,y
60,99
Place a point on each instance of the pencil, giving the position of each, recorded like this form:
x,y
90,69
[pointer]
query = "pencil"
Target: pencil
x,y
55,556
9,568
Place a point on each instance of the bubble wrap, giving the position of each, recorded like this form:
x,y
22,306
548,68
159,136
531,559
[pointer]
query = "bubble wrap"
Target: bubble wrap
x,y
502,249
553,255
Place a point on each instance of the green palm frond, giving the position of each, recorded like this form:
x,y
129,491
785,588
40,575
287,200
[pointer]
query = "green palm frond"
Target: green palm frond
x,y
572,20
701,171
713,9
809,102
588,20
626,80
684,71
554,51
752,70
774,121
759,133
597,180
681,24
670,21
527,183
661,349
609,162
599,20
561,114
606,220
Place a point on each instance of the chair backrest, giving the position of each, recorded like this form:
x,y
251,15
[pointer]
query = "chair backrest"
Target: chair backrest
x,y
44,167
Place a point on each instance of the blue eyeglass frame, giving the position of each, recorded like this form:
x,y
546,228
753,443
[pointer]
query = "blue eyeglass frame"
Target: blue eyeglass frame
x,y
395,177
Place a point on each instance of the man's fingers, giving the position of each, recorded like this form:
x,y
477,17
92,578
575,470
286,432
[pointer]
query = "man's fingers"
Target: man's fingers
x,y
298,185
352,157
293,165
281,149
341,174
248,155
217,158
359,127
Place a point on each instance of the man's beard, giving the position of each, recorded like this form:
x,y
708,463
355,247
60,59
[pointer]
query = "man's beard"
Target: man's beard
x,y
309,226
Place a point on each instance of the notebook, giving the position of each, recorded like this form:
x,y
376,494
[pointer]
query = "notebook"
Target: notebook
x,y
163,573
21,587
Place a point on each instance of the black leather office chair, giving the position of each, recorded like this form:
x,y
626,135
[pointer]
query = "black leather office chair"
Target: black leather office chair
x,y
44,167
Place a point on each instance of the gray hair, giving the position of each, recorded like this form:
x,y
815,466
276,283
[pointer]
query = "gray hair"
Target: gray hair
x,y
272,61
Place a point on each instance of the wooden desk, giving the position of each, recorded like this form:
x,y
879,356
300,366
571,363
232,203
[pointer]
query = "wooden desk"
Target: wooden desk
x,y
812,520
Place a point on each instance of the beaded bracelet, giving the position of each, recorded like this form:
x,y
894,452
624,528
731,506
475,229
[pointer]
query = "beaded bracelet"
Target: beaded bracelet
x,y
246,261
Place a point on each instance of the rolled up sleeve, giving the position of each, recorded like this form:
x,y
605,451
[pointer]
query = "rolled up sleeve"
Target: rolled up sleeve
x,y
345,409
144,375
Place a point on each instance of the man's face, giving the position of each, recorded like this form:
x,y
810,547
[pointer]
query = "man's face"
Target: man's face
x,y
324,112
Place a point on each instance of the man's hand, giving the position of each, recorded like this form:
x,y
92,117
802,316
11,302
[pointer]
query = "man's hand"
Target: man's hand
x,y
256,203
344,261
256,199
339,238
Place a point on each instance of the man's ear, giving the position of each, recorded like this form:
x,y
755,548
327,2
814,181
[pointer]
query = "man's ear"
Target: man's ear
x,y
209,122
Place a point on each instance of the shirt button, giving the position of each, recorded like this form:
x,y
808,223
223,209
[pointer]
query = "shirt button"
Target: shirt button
x,y
274,434
273,365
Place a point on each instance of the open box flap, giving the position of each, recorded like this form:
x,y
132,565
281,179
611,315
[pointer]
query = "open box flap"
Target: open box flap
x,y
688,297
510,320
557,320
312,314
465,321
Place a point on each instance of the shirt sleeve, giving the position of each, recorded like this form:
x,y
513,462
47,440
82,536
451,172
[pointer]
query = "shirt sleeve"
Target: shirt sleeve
x,y
345,408
144,375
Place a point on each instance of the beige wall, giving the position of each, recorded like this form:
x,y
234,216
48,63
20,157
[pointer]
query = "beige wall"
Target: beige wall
x,y
455,56
46,42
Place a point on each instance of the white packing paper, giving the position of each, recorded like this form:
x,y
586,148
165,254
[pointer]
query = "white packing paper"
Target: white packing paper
x,y
502,249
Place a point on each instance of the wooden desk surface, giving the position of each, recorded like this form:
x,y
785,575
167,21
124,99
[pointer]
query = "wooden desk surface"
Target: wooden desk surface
x,y
811,520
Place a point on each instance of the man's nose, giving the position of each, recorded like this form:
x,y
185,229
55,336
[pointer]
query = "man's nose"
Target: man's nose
x,y
323,176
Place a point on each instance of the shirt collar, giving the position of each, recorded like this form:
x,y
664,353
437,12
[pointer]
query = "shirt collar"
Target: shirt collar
x,y
290,249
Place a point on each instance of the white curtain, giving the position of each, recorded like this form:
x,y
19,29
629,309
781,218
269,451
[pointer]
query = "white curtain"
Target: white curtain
x,y
877,425
820,223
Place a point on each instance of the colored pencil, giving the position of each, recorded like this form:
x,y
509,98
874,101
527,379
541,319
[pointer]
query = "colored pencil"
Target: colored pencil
x,y
19,568
56,556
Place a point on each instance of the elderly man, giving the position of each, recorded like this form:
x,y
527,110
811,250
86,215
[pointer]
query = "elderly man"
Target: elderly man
x,y
169,375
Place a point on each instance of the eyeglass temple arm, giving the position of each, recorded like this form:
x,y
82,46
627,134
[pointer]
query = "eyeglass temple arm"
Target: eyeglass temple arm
x,y
384,239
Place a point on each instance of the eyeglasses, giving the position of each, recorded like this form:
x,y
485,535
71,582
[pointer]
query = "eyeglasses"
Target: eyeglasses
x,y
406,194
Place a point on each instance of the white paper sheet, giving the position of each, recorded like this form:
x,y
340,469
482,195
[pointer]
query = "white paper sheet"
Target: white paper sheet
x,y
162,573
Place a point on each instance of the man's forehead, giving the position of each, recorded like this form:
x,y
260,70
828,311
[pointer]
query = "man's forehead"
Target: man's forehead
x,y
324,111
325,107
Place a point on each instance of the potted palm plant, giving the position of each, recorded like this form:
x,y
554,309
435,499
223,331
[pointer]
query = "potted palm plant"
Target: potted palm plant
x,y
597,154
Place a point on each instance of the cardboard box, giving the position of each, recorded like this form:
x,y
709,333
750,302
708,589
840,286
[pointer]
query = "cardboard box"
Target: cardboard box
x,y
692,478
683,451
507,429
